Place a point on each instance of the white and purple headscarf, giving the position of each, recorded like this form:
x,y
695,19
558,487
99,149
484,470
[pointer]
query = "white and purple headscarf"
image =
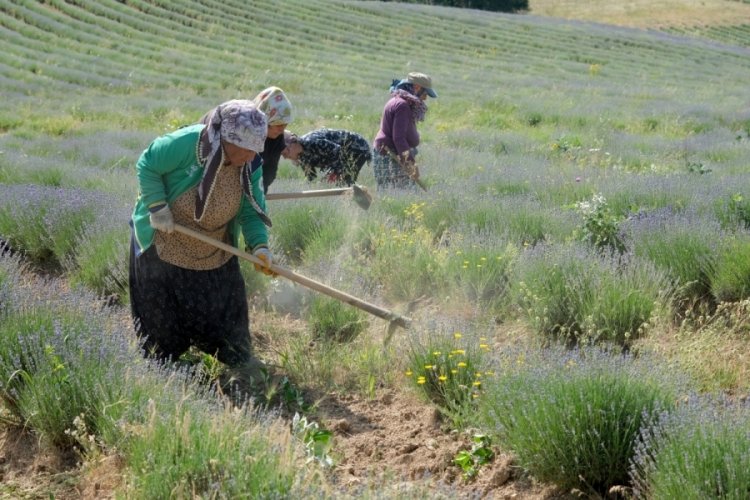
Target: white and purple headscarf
x,y
274,103
238,122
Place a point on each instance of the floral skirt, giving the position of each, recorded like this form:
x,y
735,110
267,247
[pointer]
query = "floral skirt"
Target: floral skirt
x,y
174,308
389,174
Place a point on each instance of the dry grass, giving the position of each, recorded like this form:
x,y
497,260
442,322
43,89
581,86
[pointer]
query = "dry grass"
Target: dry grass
x,y
715,348
647,13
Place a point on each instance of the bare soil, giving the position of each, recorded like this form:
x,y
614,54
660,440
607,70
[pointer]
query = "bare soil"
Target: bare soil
x,y
396,439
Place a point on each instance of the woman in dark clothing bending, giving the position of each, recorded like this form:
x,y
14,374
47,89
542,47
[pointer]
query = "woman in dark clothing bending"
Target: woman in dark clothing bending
x,y
338,155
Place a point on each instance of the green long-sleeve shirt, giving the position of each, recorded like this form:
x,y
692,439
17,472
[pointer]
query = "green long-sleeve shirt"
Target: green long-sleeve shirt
x,y
168,168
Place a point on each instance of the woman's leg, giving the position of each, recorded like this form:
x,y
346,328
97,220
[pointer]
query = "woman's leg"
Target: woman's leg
x,y
153,305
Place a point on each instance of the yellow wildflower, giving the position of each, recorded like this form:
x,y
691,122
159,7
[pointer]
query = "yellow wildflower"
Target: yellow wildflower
x,y
462,364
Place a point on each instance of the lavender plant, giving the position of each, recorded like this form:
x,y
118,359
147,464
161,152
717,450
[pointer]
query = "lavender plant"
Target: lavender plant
x,y
46,223
683,245
100,262
699,450
69,374
572,417
577,295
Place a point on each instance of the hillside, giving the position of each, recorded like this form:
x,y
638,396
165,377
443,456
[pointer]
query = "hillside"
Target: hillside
x,y
645,14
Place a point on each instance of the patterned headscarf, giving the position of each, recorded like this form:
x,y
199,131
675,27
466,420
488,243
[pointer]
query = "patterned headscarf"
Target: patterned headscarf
x,y
274,103
418,106
241,123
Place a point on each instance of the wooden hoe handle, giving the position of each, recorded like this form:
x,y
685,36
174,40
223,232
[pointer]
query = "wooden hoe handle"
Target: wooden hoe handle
x,y
394,318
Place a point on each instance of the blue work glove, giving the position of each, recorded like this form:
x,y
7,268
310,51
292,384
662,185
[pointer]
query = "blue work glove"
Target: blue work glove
x,y
264,254
161,218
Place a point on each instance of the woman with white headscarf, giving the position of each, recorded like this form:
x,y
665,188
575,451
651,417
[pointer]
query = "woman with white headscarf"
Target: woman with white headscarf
x,y
184,292
274,103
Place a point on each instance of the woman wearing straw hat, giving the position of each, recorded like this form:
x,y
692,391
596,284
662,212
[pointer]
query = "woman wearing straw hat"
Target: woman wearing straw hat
x,y
395,145
184,292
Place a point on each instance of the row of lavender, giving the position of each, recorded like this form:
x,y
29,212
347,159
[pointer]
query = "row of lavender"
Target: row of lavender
x,y
71,372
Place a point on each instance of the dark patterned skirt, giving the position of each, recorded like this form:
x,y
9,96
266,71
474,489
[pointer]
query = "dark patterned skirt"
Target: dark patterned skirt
x,y
174,308
389,174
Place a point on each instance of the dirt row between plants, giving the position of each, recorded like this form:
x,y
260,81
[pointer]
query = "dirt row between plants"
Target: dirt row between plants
x,y
390,444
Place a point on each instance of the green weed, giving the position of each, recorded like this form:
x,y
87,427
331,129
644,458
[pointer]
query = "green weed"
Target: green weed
x,y
331,320
450,373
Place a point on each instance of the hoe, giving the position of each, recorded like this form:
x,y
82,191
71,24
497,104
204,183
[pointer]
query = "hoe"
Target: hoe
x,y
394,320
360,195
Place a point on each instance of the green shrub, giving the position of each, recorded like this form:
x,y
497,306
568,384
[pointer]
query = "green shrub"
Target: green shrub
x,y
698,451
405,262
438,217
333,320
481,274
572,417
733,212
297,227
731,280
600,226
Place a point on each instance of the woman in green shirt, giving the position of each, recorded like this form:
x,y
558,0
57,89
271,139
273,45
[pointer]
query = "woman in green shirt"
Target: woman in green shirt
x,y
184,292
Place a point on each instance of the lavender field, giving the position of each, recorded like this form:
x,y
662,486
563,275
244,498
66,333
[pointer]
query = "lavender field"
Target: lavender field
x,y
587,218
